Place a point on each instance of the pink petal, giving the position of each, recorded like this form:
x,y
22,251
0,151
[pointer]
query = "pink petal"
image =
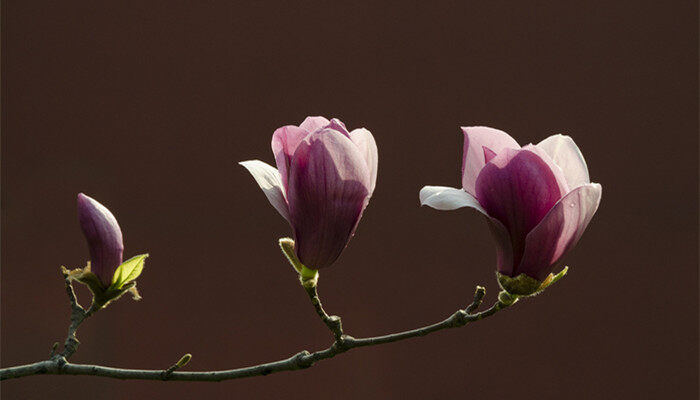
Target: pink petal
x,y
364,140
103,235
568,157
475,138
488,154
329,188
339,126
284,143
556,170
312,124
559,231
270,182
517,188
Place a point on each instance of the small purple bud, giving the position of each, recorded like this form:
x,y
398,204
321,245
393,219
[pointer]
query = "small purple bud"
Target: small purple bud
x,y
103,236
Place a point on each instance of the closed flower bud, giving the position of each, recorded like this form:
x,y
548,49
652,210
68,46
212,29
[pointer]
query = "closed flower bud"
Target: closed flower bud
x,y
104,238
324,179
538,201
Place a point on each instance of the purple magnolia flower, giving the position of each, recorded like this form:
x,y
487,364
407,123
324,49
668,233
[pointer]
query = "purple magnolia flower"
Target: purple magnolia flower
x,y
324,178
103,236
538,199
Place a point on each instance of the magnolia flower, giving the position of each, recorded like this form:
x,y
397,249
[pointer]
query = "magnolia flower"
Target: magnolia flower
x,y
103,236
538,199
324,178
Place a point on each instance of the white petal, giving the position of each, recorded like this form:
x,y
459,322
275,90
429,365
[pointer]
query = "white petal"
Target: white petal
x,y
368,147
448,198
270,182
568,157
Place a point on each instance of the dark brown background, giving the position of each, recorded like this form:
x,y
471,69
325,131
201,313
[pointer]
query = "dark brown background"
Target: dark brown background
x,y
148,107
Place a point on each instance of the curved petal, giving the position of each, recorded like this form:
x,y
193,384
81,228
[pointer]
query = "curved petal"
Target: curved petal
x,y
564,187
339,126
103,235
268,178
446,198
364,140
559,231
568,157
284,142
328,190
312,124
475,139
504,246
517,188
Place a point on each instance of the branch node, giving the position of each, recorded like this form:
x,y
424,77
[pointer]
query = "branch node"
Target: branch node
x,y
303,359
53,350
479,294
179,364
459,318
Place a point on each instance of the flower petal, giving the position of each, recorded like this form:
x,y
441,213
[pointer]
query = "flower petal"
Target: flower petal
x,y
446,198
556,170
268,178
559,231
339,126
104,237
504,246
312,124
568,157
475,139
284,142
517,188
329,186
364,140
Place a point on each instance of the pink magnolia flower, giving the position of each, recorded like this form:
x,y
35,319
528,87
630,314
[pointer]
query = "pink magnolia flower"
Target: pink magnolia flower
x,y
104,238
538,199
324,178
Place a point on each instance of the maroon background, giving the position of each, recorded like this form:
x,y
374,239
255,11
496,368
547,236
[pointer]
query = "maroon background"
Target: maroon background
x,y
147,106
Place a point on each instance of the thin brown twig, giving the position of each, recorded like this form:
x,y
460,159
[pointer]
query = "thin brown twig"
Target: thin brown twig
x,y
301,360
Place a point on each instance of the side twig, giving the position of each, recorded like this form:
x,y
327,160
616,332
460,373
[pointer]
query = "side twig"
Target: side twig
x,y
333,322
78,315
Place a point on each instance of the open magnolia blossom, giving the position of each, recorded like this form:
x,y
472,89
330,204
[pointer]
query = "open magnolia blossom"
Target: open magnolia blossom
x,y
538,200
324,178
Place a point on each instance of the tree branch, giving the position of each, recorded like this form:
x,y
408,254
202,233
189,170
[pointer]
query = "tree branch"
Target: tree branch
x,y
301,360
78,315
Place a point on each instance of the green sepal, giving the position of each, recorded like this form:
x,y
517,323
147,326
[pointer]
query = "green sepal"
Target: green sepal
x,y
524,285
307,276
287,246
128,271
101,296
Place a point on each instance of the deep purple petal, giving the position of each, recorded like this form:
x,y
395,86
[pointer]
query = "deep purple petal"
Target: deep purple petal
x,y
312,124
504,246
556,170
329,188
559,231
104,237
364,141
284,143
517,188
475,138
